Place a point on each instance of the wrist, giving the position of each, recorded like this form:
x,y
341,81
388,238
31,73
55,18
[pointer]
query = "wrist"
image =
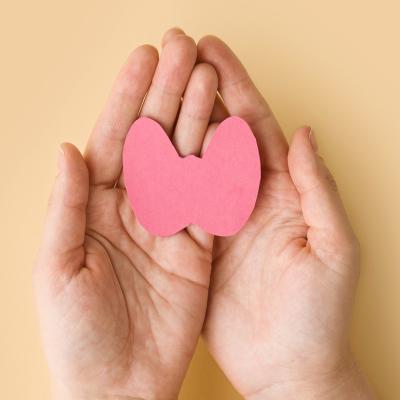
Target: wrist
x,y
94,397
346,384
61,393
58,396
64,396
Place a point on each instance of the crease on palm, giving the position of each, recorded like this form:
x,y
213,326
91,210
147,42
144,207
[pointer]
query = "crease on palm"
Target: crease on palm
x,y
163,283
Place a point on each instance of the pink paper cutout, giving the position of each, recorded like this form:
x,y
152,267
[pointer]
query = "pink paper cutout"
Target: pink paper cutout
x,y
216,192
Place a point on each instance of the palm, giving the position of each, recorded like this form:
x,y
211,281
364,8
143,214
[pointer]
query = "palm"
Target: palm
x,y
274,313
122,310
139,301
264,289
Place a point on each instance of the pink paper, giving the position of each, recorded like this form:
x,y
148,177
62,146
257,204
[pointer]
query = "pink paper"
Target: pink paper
x,y
216,192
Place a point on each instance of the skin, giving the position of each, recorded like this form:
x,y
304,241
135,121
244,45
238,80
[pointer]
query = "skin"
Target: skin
x,y
121,311
282,288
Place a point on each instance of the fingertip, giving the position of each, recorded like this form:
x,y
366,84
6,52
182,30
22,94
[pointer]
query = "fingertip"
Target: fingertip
x,y
170,33
302,160
209,41
206,47
141,64
301,133
138,70
300,142
64,149
208,70
183,46
206,78
214,51
67,147
72,161
211,48
143,54
145,48
68,150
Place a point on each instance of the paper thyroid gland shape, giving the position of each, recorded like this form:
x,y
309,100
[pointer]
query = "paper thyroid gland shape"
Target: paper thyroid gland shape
x,y
216,192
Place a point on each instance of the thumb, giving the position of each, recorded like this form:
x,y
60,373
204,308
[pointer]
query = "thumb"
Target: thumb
x,y
329,232
64,231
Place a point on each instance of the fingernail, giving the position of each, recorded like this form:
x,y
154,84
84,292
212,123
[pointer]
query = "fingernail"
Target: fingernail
x,y
313,141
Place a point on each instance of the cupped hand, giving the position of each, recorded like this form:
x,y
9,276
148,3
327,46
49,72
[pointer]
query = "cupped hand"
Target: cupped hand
x,y
282,288
120,309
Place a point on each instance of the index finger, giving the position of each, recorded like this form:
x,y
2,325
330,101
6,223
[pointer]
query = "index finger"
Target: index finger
x,y
242,98
103,153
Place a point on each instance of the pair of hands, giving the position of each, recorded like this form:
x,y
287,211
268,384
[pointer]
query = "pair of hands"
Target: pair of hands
x,y
121,310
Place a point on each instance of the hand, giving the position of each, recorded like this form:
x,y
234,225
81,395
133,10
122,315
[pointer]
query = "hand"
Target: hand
x,y
282,289
120,309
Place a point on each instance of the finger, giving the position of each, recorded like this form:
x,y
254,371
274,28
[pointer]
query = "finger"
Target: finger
x,y
104,149
172,74
219,112
186,145
168,37
208,136
329,229
171,33
242,98
203,238
194,116
64,231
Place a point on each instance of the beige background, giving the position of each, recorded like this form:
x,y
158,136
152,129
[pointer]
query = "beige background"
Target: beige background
x,y
334,65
